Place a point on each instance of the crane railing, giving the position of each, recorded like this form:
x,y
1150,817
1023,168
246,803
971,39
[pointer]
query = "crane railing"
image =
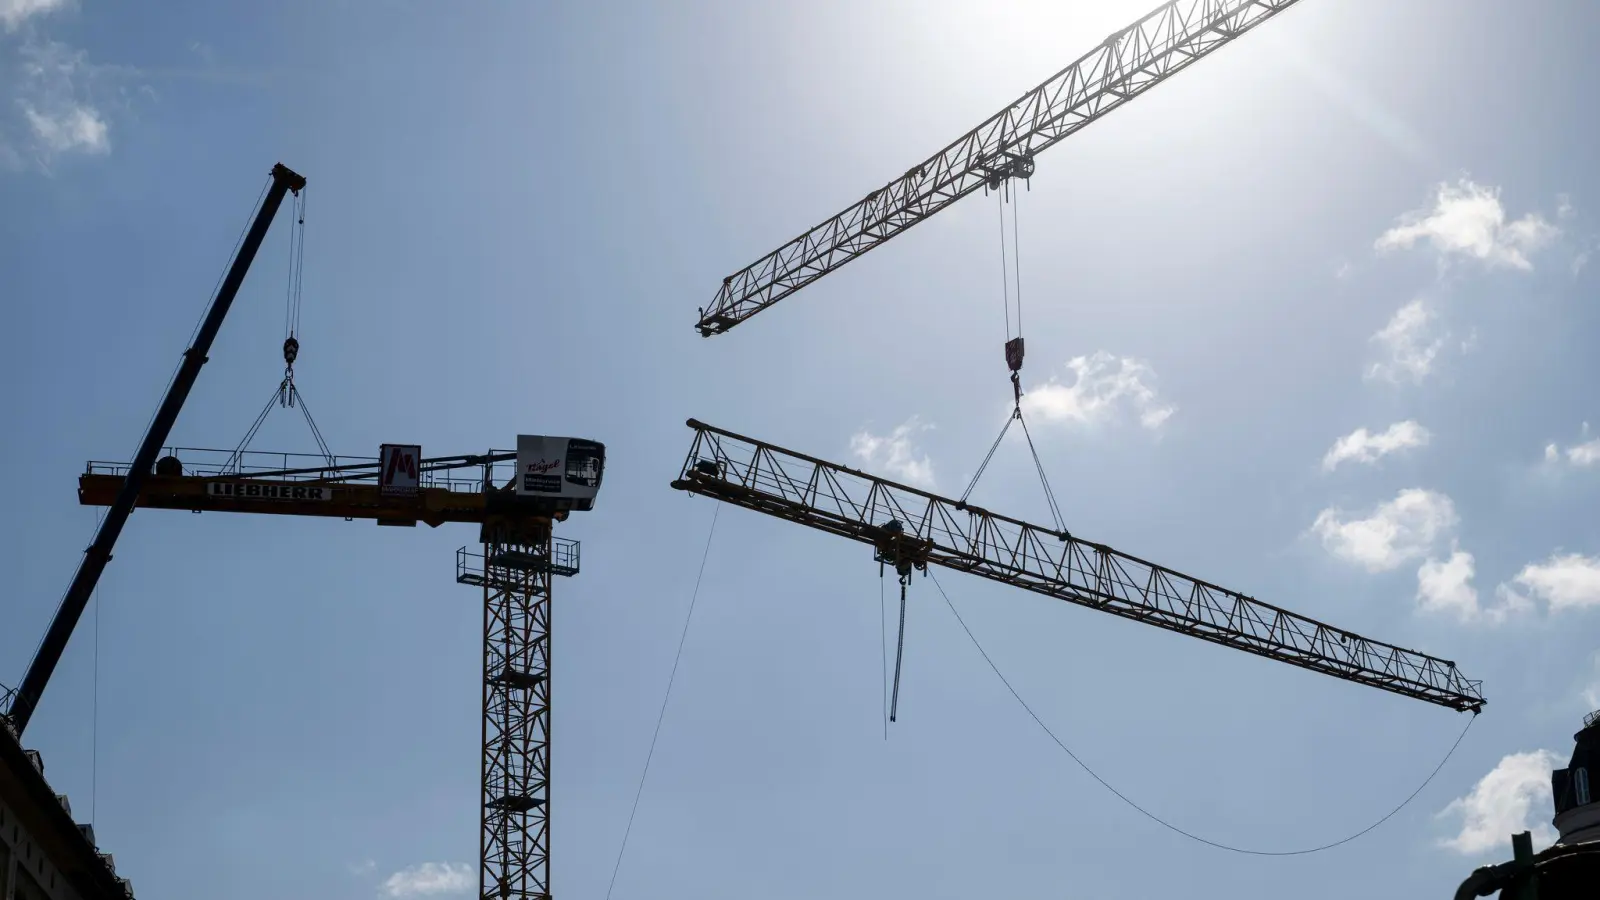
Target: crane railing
x,y
454,473
906,523
1125,65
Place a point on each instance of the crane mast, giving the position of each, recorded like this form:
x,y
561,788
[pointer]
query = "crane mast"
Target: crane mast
x,y
1125,65
912,527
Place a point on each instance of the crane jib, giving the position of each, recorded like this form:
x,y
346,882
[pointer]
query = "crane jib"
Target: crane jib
x,y
907,523
1131,61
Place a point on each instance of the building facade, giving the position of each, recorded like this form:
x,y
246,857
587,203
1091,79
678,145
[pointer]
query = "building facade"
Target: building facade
x,y
1570,868
44,853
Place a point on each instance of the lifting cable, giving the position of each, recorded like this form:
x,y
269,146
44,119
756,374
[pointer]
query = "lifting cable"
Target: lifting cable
x,y
1011,284
883,645
94,711
896,554
1157,819
899,648
661,716
288,394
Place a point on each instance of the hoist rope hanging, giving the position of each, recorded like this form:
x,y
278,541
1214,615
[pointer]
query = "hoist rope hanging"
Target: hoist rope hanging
x,y
287,393
899,649
906,554
1013,261
883,646
1005,278
1011,286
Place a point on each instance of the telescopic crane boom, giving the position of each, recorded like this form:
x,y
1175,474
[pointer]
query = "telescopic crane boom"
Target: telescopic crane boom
x,y
98,555
913,528
1125,65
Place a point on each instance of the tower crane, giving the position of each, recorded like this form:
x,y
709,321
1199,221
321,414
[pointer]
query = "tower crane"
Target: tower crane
x,y
1126,64
550,478
909,529
514,497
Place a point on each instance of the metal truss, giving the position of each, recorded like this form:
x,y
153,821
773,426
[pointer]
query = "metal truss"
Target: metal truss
x,y
514,571
1125,65
906,524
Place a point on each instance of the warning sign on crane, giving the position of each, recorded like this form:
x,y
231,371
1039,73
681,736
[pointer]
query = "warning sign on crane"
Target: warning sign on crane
x,y
399,469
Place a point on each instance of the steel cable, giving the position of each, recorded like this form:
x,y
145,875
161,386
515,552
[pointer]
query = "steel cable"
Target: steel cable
x,y
661,717
1152,816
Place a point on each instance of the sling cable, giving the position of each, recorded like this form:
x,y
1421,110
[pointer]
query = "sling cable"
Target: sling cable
x,y
287,394
902,556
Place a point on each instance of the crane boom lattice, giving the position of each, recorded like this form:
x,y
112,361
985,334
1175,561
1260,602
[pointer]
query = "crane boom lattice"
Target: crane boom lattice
x,y
905,523
1125,65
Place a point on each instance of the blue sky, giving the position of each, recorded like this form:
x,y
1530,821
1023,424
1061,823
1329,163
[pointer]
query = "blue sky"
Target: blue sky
x,y
1312,321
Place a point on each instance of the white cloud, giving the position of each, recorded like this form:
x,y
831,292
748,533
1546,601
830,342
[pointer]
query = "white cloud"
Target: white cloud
x,y
1102,385
1583,455
14,12
895,453
364,867
1408,343
52,106
205,51
430,879
1500,804
1581,258
1564,581
1446,587
1468,220
1399,530
72,127
1586,454
1366,447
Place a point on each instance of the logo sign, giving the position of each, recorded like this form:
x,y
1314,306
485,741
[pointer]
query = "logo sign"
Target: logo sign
x,y
399,469
536,477
268,490
565,471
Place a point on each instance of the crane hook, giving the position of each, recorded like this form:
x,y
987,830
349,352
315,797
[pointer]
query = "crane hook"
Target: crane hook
x,y
1014,350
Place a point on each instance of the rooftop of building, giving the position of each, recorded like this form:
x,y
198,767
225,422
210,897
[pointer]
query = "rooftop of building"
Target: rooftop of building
x,y
47,818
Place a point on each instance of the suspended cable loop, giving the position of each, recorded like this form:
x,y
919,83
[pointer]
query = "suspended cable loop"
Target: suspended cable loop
x,y
1152,816
672,677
